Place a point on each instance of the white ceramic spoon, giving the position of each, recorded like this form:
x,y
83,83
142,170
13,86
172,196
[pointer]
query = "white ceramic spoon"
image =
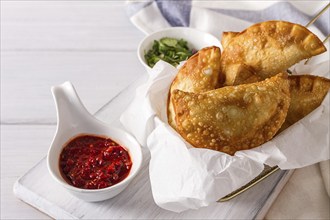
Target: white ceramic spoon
x,y
73,120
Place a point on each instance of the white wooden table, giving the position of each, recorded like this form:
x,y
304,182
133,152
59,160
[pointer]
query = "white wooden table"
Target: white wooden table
x,y
44,43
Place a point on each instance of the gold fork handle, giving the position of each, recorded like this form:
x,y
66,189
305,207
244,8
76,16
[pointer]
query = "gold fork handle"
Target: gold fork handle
x,y
318,15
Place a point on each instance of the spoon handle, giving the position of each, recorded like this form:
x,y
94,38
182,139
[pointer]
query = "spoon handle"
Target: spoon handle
x,y
70,110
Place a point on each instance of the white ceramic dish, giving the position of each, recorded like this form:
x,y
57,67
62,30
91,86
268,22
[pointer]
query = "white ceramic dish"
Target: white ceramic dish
x,y
196,40
72,120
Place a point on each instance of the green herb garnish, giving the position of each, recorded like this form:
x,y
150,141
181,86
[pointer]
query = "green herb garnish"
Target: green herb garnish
x,y
168,49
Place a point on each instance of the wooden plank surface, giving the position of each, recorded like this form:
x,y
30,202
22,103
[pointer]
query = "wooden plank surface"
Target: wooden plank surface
x,y
28,76
22,146
67,25
136,201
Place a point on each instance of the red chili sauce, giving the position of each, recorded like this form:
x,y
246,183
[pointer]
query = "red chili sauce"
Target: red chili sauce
x,y
91,162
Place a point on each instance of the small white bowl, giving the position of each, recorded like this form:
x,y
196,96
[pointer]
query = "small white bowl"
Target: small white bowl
x,y
196,40
74,120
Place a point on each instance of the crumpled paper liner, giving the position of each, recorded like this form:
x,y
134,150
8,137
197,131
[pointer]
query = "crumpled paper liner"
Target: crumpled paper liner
x,y
183,177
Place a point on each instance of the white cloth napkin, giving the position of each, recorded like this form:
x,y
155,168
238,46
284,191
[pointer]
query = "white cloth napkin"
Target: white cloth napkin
x,y
218,16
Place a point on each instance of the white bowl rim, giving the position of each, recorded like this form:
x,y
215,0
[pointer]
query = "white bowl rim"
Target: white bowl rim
x,y
113,187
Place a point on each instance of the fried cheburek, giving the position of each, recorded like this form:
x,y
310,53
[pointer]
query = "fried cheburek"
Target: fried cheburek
x,y
226,37
199,74
267,48
243,74
233,118
307,93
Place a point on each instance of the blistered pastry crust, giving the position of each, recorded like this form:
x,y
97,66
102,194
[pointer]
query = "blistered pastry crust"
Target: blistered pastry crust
x,y
233,118
200,73
307,93
268,48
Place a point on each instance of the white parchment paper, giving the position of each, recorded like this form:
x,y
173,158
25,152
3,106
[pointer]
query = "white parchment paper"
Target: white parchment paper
x,y
183,177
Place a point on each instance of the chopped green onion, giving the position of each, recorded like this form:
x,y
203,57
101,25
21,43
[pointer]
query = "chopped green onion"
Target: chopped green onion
x,y
170,50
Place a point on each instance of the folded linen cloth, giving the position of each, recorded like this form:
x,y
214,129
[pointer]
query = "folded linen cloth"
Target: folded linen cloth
x,y
306,186
153,15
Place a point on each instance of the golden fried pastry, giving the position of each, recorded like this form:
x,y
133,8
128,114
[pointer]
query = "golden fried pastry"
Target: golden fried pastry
x,y
226,37
269,48
307,93
233,118
200,73
244,74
